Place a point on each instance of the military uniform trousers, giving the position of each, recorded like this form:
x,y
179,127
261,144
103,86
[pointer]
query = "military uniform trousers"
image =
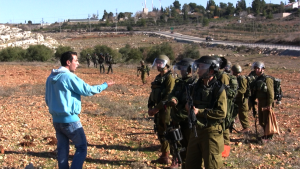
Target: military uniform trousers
x,y
143,77
109,69
184,143
95,63
102,68
243,111
88,62
263,116
162,119
208,146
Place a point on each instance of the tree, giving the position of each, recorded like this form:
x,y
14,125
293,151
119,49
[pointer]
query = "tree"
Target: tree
x,y
292,1
39,53
230,9
60,50
193,6
121,15
185,10
29,22
105,15
281,7
210,3
217,11
176,4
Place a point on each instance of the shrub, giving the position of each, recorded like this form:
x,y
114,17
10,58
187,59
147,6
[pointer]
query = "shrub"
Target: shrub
x,y
39,53
105,49
12,54
62,49
190,51
162,49
134,55
83,54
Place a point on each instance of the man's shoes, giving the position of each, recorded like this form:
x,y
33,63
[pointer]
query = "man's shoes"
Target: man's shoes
x,y
163,159
245,130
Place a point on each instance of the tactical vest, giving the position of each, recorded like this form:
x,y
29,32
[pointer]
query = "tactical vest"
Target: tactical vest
x,y
206,97
158,87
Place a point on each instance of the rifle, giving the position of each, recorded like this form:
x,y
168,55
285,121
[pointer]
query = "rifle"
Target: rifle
x,y
173,135
191,116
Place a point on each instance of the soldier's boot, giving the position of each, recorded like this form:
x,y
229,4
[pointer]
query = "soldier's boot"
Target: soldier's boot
x,y
163,159
174,164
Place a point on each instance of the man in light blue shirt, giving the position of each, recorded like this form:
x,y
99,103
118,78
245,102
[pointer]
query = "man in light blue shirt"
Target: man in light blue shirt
x,y
63,98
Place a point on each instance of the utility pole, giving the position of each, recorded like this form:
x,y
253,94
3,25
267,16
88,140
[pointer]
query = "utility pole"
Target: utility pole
x,y
117,19
89,22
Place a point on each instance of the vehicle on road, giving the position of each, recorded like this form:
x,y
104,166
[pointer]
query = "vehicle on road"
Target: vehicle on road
x,y
208,38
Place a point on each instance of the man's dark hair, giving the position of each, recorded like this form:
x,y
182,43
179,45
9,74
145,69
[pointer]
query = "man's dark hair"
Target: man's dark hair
x,y
67,56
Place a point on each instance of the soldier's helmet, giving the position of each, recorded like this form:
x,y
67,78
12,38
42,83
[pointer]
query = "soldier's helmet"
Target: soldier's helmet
x,y
88,54
202,66
142,62
183,67
236,68
258,64
221,60
101,54
161,62
227,68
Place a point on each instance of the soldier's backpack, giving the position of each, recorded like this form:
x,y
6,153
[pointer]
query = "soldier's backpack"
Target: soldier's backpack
x,y
232,108
250,80
277,87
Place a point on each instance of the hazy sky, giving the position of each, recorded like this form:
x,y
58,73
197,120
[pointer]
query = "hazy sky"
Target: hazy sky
x,y
19,11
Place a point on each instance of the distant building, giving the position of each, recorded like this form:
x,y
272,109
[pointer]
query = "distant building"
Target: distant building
x,y
83,20
292,5
145,11
281,15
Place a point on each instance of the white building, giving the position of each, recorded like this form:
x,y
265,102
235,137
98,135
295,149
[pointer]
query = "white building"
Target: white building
x,y
292,5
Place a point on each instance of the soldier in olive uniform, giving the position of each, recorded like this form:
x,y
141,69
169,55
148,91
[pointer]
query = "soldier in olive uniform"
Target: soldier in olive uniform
x,y
95,58
224,78
101,60
88,60
143,70
242,97
161,88
109,61
210,106
263,90
178,99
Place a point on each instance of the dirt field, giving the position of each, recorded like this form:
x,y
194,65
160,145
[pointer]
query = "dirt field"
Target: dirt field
x,y
118,129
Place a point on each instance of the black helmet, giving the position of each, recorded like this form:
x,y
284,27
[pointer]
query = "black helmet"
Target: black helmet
x,y
101,54
221,60
205,63
183,67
